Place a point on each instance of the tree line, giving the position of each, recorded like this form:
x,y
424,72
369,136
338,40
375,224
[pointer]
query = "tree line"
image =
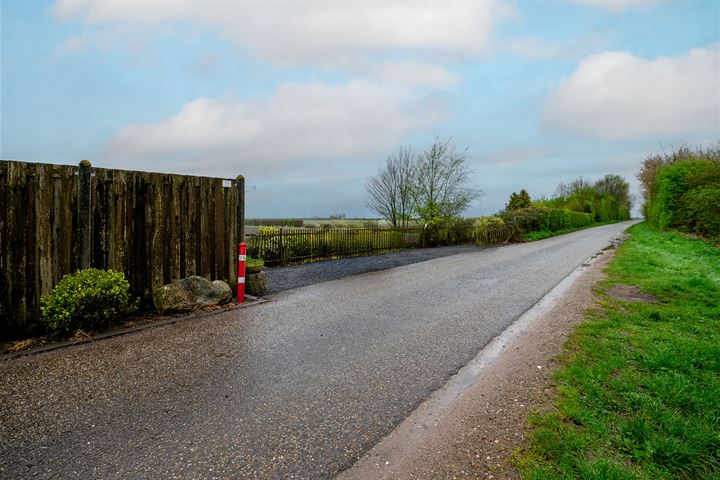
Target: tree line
x,y
433,187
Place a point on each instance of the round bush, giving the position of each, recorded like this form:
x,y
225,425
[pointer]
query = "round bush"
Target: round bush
x,y
89,299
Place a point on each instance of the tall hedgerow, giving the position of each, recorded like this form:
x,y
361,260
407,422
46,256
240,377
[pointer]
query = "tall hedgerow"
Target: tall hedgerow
x,y
685,196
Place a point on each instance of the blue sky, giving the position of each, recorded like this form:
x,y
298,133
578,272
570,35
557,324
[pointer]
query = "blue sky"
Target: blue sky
x,y
308,99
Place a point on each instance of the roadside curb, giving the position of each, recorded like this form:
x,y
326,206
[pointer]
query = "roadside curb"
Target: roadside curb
x,y
250,301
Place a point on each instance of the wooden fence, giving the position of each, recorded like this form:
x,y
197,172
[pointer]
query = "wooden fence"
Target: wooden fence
x,y
154,227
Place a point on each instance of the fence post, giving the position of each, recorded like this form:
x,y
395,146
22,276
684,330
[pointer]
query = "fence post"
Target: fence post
x,y
280,246
84,218
240,206
242,249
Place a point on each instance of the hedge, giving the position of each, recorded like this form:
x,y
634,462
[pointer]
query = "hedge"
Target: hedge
x,y
687,198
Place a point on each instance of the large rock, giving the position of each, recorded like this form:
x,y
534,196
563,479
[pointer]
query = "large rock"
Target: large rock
x,y
190,294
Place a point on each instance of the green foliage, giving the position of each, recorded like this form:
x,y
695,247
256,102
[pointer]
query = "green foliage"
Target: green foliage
x,y
448,231
606,200
520,223
268,230
654,163
441,190
519,200
254,262
491,229
491,221
542,234
89,299
639,391
546,219
686,197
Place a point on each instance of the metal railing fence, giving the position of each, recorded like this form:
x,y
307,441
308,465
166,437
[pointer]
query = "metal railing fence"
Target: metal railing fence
x,y
284,246
287,246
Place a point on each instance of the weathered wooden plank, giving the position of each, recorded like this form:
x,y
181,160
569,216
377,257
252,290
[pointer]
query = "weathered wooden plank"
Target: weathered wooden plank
x,y
17,218
182,229
230,254
158,232
210,230
197,231
166,218
43,213
4,251
203,268
218,225
175,237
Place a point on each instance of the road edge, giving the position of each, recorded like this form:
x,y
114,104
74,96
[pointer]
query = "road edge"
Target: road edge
x,y
418,427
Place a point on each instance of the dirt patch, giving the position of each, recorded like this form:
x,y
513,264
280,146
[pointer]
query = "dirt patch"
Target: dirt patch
x,y
478,434
630,293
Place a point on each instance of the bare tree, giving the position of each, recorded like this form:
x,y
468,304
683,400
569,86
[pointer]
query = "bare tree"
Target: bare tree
x,y
617,187
441,185
579,185
390,190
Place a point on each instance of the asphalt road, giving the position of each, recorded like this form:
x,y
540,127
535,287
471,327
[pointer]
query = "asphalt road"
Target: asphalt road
x,y
299,387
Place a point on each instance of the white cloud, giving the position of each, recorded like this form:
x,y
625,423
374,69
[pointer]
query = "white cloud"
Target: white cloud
x,y
76,43
413,74
618,5
297,124
616,95
518,155
535,47
323,33
106,40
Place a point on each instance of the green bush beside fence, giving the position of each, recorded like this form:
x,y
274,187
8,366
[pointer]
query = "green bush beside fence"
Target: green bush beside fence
x,y
89,299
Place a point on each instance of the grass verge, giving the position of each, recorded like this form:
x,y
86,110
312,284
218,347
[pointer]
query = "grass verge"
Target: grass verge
x,y
541,234
639,388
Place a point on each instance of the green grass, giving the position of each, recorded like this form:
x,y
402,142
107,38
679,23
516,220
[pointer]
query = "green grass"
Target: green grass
x,y
639,390
255,262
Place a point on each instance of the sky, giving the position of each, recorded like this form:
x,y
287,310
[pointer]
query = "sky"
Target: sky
x,y
308,99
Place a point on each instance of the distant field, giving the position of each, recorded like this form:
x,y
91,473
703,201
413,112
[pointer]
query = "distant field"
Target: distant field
x,y
317,222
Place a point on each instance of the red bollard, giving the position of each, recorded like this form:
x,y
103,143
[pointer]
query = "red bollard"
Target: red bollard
x,y
241,273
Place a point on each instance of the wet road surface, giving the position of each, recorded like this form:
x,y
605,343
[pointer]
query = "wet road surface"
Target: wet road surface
x,y
298,387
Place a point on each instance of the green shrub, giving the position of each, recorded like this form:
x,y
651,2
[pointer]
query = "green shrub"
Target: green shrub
x,y
268,230
491,230
255,262
542,219
703,210
686,197
89,299
519,200
448,231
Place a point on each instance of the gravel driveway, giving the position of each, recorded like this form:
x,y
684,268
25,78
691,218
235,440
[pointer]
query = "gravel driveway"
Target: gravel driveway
x,y
294,276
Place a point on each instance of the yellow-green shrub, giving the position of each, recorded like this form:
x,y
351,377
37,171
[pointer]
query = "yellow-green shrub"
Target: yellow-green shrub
x,y
89,299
